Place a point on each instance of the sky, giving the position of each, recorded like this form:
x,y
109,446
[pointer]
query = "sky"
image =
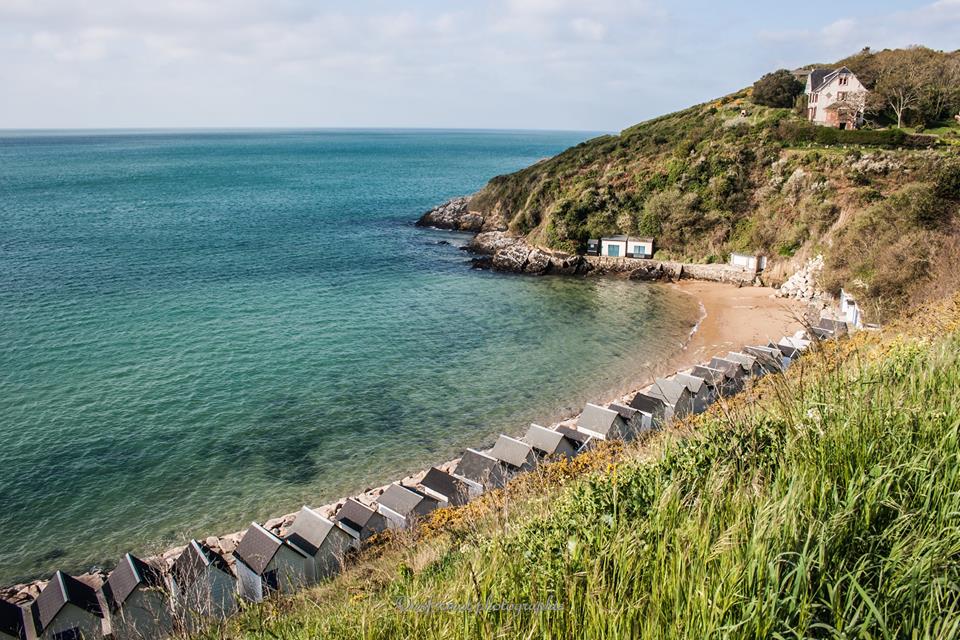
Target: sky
x,y
585,65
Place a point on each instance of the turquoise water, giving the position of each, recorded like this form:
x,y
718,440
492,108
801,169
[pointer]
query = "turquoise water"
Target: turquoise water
x,y
200,329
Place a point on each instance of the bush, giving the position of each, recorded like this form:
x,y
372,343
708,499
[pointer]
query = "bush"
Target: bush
x,y
947,185
778,89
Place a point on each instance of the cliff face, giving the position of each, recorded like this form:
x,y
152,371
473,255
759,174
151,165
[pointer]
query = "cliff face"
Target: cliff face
x,y
880,206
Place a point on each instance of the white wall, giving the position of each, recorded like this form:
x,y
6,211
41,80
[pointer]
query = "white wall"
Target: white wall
x,y
605,248
72,616
145,614
640,246
291,569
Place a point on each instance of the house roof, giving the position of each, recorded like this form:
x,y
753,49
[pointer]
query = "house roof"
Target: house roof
x,y
786,349
359,517
625,238
747,361
730,368
648,403
402,500
196,559
12,620
816,78
130,574
598,419
627,413
258,548
543,439
832,325
511,451
309,531
669,390
59,592
479,467
442,483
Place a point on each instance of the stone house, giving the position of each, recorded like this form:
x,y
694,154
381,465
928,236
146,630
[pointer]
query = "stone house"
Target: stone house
x,y
835,98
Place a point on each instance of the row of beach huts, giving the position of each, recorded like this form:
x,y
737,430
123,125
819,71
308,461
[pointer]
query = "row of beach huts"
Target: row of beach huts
x,y
141,599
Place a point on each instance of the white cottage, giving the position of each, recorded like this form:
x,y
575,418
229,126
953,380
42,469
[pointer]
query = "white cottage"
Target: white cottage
x,y
202,585
747,262
13,622
266,563
324,541
139,602
67,609
835,98
626,247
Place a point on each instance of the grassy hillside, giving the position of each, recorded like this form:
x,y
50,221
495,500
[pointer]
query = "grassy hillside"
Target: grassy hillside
x,y
822,504
705,181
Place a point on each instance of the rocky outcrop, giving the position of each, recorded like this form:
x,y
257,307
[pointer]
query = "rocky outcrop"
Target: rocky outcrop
x,y
503,252
453,214
802,285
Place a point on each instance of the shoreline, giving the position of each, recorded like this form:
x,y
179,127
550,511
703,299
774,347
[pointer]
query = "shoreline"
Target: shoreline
x,y
731,317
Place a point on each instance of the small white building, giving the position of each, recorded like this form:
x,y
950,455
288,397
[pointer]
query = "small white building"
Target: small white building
x,y
361,520
482,469
835,98
638,422
548,442
752,263
516,455
770,358
448,488
139,603
626,247
602,423
674,394
401,506
701,392
13,622
202,586
67,609
324,541
749,363
850,310
266,563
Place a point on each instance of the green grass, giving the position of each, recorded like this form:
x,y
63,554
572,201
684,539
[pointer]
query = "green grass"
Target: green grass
x,y
825,505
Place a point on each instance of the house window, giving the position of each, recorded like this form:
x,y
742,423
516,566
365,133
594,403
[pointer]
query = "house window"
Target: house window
x,y
613,250
843,81
841,95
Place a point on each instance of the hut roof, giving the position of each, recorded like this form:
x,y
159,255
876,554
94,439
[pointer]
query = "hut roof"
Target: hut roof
x,y
694,384
359,517
258,548
670,390
543,439
12,620
598,419
131,574
309,531
512,451
479,467
59,592
196,559
710,375
402,500
648,403
444,484
578,437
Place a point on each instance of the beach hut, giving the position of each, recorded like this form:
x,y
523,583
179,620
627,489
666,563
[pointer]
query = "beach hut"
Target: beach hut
x,y
448,488
655,407
720,385
700,392
550,443
748,362
836,327
623,246
602,423
138,599
747,262
788,352
202,585
360,520
638,421
797,341
13,621
736,373
593,247
515,454
850,310
674,394
266,563
582,441
67,609
771,359
401,506
482,469
324,541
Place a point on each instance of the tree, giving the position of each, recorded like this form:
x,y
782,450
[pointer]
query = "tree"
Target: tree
x,y
777,89
901,81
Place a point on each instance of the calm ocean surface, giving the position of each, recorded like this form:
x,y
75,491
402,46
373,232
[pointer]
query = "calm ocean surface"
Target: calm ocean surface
x,y
200,329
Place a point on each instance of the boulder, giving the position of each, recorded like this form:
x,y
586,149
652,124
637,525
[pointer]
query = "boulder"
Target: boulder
x,y
512,258
538,262
453,214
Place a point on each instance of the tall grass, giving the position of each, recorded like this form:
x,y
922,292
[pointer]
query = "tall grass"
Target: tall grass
x,y
827,505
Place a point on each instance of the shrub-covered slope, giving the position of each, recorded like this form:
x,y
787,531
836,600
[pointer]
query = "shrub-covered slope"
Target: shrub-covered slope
x,y
880,204
823,504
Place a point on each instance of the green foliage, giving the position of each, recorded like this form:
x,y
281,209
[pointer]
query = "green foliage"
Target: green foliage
x,y
777,89
947,185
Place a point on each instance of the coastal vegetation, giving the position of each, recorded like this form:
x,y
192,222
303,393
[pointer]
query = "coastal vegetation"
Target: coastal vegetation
x,y
821,504
734,175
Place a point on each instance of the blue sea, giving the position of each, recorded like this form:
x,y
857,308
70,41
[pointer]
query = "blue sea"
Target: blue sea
x,y
199,329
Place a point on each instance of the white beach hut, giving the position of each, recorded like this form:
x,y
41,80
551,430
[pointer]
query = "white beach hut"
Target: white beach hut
x,y
266,564
602,423
67,609
401,506
361,520
550,443
482,469
324,541
518,456
203,586
139,601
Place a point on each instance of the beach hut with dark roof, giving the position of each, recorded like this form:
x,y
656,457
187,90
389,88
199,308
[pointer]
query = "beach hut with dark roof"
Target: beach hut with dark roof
x,y
654,406
359,519
324,541
700,392
582,441
674,394
448,488
67,609
13,621
139,602
202,585
266,563
770,359
549,443
516,455
835,327
749,363
480,468
602,423
720,385
789,352
638,422
401,506
735,372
